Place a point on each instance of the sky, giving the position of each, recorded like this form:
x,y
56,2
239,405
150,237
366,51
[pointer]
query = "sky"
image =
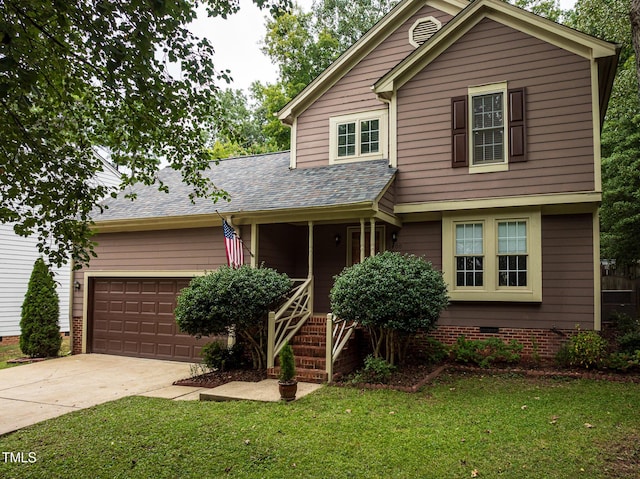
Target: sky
x,y
237,42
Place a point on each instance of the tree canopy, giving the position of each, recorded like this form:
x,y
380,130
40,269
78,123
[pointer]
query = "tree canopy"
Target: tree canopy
x,y
127,76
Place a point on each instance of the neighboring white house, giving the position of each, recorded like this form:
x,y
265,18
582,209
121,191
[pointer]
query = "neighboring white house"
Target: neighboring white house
x,y
17,256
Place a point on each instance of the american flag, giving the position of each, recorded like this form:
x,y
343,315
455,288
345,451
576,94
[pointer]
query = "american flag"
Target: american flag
x,y
233,245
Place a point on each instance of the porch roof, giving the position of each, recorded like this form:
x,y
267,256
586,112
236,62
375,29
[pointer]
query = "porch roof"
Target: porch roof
x,y
261,183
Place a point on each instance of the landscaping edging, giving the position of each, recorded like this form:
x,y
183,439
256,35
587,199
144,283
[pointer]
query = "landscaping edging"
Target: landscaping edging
x,y
534,373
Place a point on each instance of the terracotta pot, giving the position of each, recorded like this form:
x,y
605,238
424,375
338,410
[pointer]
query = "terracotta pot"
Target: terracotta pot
x,y
288,390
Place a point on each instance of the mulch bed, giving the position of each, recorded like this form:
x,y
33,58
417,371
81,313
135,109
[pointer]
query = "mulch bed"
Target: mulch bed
x,y
217,378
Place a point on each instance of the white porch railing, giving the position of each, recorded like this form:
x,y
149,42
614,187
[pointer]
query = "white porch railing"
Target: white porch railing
x,y
338,334
285,323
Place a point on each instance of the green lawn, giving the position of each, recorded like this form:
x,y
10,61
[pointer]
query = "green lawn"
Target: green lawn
x,y
13,351
487,427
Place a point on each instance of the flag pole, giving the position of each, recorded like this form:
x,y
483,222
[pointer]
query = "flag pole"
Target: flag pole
x,y
241,240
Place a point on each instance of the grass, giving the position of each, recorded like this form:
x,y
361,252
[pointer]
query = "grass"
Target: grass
x,y
12,351
463,426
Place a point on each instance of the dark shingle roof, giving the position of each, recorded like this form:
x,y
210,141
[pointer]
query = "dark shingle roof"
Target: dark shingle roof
x,y
258,183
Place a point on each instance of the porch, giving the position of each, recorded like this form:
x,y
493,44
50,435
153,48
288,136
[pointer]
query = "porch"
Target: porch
x,y
323,345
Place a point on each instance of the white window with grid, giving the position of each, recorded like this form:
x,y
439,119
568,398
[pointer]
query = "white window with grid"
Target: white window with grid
x,y
512,253
469,254
358,137
493,257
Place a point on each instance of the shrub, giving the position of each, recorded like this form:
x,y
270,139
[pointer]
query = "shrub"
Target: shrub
x,y
229,298
287,364
40,332
375,371
624,362
429,351
216,355
585,349
393,295
486,352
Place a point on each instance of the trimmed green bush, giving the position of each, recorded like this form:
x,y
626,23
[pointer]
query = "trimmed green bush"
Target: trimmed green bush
x,y
375,371
229,298
393,295
486,352
40,331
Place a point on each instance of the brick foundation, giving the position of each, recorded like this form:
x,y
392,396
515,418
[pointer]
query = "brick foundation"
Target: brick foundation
x,y
76,340
543,343
9,340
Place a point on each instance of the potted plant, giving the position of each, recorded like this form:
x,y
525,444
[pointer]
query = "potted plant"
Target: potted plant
x,y
287,384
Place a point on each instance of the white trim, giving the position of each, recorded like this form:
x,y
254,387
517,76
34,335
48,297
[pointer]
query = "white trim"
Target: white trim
x,y
420,21
490,291
595,114
293,149
488,89
382,115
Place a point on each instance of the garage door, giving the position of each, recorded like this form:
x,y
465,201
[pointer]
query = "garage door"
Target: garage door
x,y
134,317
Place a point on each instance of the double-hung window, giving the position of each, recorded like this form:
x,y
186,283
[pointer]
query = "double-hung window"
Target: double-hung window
x,y
488,128
358,137
493,257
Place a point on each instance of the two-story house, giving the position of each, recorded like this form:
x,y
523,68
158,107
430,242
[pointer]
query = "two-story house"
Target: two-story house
x,y
467,133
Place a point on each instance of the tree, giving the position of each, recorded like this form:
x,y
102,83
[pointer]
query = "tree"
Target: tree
x,y
303,45
393,295
126,76
237,299
620,211
39,329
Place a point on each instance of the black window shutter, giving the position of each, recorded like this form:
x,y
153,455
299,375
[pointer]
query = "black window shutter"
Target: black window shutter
x,y
459,148
517,126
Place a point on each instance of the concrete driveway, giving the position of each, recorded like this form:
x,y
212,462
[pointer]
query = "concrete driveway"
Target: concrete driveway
x,y
35,392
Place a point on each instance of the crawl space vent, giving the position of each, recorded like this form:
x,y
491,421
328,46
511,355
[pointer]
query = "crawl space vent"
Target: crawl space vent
x,y
423,29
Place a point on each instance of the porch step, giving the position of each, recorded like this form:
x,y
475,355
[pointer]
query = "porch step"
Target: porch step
x,y
317,376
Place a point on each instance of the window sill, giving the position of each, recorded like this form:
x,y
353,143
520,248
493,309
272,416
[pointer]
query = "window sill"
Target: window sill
x,y
488,168
519,296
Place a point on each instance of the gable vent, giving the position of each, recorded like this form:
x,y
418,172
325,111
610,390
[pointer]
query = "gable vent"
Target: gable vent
x,y
423,29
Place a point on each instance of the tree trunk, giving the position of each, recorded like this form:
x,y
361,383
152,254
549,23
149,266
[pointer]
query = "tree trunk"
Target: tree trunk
x,y
634,16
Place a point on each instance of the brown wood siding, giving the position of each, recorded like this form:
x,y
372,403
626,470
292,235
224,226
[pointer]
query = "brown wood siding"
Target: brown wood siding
x,y
197,249
353,92
284,248
567,284
559,122
388,200
422,239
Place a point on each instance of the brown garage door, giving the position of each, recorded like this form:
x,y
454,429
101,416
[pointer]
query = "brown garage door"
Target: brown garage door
x,y
134,317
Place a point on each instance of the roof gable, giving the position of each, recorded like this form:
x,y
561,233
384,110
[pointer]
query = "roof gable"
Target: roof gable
x,y
586,46
359,50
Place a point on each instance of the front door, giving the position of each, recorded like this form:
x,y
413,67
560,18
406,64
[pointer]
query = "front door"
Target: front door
x,y
354,238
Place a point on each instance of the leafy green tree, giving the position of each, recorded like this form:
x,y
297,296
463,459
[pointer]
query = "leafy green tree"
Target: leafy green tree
x,y
620,212
86,73
394,296
39,329
303,45
237,299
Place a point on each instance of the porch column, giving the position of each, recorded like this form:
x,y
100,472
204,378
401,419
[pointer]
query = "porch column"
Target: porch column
x,y
254,245
362,242
310,249
312,286
372,237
